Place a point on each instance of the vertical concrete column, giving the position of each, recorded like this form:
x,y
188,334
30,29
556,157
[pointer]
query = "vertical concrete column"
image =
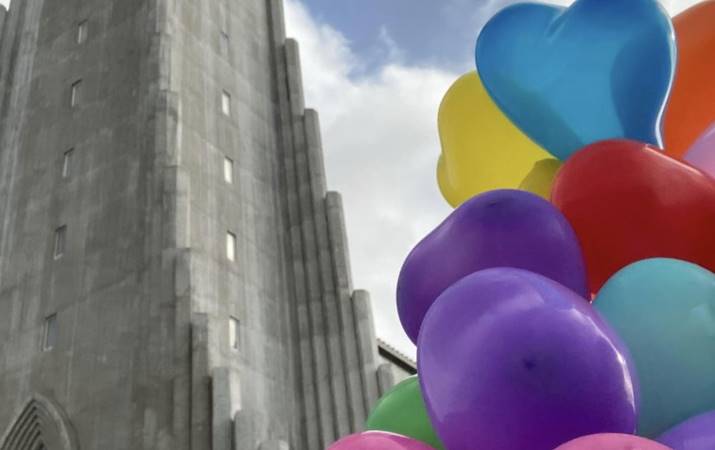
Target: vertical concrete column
x,y
181,262
340,262
317,326
17,61
385,378
338,353
222,428
200,385
3,16
305,361
365,329
274,445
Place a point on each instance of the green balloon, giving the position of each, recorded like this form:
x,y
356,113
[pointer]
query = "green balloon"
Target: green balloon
x,y
402,410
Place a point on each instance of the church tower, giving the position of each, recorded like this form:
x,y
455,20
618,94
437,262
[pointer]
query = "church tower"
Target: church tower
x,y
173,273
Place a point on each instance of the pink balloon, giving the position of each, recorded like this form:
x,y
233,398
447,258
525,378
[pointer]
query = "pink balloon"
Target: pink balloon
x,y
612,442
702,153
379,440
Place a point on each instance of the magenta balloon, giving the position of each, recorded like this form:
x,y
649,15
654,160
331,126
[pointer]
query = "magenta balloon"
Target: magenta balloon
x,y
378,440
612,442
509,359
503,228
702,153
697,433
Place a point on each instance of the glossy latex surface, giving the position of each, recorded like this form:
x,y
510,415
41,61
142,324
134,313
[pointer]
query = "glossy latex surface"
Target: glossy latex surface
x,y
378,440
601,69
482,150
402,411
697,433
690,108
500,228
664,310
509,359
628,202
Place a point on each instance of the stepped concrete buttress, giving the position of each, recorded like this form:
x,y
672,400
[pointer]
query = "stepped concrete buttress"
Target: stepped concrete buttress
x,y
174,274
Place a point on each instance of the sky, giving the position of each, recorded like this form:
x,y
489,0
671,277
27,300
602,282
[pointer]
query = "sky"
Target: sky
x,y
376,71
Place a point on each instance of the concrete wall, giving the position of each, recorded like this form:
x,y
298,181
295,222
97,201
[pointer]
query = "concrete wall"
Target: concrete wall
x,y
144,291
112,369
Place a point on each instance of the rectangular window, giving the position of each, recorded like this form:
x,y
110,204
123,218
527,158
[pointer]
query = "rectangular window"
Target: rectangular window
x,y
228,170
60,238
224,43
233,328
226,103
231,246
67,163
75,97
50,334
82,32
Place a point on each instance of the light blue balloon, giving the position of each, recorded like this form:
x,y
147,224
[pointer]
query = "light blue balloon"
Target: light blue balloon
x,y
664,310
601,69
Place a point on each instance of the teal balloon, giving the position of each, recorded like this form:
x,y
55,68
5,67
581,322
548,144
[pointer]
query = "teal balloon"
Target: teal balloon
x,y
664,310
569,77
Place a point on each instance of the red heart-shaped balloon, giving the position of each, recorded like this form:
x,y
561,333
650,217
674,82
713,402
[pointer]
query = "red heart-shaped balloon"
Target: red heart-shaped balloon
x,y
629,201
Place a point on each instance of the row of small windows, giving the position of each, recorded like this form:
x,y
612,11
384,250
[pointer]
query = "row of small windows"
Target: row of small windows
x,y
83,27
49,334
76,97
50,327
61,240
68,159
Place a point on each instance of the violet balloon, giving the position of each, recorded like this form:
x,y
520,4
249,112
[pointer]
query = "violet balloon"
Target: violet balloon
x,y
378,440
612,442
697,433
509,359
702,153
503,228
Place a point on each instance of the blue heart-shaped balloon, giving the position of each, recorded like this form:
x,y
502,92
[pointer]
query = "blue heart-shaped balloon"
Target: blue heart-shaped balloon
x,y
601,69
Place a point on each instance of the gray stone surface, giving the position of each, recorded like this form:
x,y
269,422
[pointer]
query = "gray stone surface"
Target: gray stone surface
x,y
143,291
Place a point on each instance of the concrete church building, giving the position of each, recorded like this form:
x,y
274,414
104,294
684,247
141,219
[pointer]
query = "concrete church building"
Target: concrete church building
x,y
173,273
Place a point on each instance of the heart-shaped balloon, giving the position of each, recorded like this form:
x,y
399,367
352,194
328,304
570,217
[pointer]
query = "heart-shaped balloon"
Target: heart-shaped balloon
x,y
378,440
482,150
697,433
612,442
702,153
601,69
402,410
690,108
628,201
664,310
506,228
509,359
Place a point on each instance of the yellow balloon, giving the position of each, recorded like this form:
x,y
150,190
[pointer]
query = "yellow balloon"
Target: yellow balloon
x,y
540,177
482,150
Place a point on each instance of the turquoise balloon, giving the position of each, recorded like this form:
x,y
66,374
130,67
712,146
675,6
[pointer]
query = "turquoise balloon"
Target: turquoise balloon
x,y
664,310
601,69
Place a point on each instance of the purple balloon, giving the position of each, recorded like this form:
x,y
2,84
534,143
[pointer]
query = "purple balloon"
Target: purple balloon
x,y
378,440
702,153
697,433
503,228
509,359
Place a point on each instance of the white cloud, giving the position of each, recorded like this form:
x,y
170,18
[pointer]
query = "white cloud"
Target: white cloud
x,y
381,145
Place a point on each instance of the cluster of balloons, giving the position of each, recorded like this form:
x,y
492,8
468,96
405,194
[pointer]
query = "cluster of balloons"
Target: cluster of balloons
x,y
569,300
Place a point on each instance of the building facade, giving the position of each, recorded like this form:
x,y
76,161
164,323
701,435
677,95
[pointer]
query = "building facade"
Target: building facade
x,y
174,274
394,366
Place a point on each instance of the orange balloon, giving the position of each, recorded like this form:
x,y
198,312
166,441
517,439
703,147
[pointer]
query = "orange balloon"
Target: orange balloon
x,y
691,109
